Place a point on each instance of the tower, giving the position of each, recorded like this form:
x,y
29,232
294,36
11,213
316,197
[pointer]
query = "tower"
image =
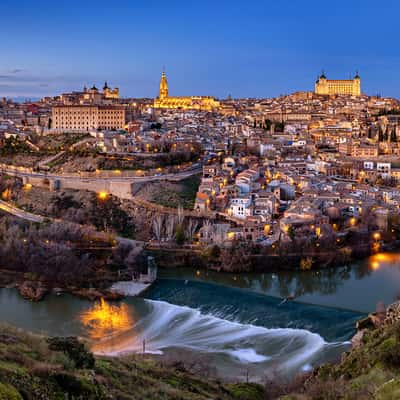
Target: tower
x,y
357,85
163,86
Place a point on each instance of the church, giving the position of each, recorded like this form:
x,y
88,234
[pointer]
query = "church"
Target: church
x,y
203,103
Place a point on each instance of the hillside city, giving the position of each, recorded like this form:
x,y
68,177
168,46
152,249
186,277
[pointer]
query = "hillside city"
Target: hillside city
x,y
305,172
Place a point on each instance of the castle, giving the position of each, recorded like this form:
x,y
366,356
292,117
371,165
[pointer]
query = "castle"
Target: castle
x,y
350,87
204,103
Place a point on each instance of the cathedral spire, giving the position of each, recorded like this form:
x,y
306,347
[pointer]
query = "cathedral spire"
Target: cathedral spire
x,y
163,85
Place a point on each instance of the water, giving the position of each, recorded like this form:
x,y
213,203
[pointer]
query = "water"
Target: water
x,y
233,324
358,286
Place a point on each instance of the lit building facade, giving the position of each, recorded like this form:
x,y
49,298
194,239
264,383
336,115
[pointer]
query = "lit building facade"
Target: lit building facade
x,y
206,103
351,87
87,117
110,93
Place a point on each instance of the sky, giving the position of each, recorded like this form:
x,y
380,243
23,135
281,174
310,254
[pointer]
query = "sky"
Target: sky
x,y
253,48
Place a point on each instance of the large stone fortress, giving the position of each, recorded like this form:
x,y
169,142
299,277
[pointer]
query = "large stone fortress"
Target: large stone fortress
x,y
206,103
350,87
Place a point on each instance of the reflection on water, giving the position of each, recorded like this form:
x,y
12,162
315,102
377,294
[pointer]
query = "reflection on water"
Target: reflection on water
x,y
387,259
357,286
104,319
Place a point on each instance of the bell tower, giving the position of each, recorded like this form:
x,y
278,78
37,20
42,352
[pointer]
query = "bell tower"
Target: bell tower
x,y
163,86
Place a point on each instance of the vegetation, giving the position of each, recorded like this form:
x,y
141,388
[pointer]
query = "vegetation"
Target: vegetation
x,y
175,195
33,368
62,254
13,146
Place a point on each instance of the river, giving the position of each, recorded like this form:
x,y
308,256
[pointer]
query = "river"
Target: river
x,y
237,325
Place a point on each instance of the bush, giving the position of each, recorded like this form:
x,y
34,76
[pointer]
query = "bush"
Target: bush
x,y
8,392
74,349
389,353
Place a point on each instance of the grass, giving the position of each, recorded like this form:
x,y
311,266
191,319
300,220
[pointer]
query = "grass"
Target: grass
x,y
30,370
174,195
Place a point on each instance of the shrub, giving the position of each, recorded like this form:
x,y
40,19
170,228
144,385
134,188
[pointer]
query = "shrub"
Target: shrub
x,y
8,392
74,349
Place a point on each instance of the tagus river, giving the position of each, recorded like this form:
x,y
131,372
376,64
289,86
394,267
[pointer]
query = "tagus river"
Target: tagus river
x,y
238,325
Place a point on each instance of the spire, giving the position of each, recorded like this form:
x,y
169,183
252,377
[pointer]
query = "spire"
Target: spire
x,y
105,85
163,85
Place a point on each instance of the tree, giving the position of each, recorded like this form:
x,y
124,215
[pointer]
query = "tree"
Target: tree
x,y
393,136
158,223
291,232
236,258
190,230
180,235
106,213
380,135
74,349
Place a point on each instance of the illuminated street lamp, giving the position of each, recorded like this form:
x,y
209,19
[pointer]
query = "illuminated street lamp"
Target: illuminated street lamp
x,y
103,195
377,236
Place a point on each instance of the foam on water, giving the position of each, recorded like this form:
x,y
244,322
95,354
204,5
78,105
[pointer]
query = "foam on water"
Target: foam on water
x,y
166,327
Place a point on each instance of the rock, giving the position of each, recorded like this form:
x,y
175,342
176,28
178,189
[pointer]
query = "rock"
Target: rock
x,y
8,339
34,291
372,321
357,338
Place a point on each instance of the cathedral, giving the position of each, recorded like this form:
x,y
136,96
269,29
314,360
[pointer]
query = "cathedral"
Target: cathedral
x,y
204,103
351,87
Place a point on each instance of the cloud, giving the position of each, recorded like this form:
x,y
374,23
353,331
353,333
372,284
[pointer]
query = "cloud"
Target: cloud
x,y
16,71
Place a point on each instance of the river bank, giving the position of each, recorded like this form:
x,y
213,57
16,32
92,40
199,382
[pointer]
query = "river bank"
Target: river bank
x,y
258,260
33,289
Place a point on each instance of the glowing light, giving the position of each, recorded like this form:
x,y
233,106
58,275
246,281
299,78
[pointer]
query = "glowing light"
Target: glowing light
x,y
28,187
6,195
102,195
375,265
353,221
376,236
198,273
104,319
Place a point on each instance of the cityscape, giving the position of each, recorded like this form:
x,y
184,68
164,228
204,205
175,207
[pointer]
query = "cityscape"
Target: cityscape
x,y
199,245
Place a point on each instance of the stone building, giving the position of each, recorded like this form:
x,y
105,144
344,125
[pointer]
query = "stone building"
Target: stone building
x,y
350,87
87,117
206,103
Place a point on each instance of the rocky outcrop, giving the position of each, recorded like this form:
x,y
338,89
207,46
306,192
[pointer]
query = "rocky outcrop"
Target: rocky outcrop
x,y
387,316
33,291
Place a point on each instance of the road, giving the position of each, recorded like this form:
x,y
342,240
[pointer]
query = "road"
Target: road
x,y
27,216
17,212
27,172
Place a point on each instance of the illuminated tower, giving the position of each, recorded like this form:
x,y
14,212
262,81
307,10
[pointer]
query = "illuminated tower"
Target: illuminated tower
x,y
163,86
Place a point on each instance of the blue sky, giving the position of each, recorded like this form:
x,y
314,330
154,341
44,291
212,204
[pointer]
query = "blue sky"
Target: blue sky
x,y
244,48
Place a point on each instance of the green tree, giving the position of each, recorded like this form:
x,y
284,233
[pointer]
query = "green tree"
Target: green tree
x,y
74,349
179,235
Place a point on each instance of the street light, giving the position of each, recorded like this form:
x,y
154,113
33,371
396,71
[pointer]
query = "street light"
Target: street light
x,y
103,195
